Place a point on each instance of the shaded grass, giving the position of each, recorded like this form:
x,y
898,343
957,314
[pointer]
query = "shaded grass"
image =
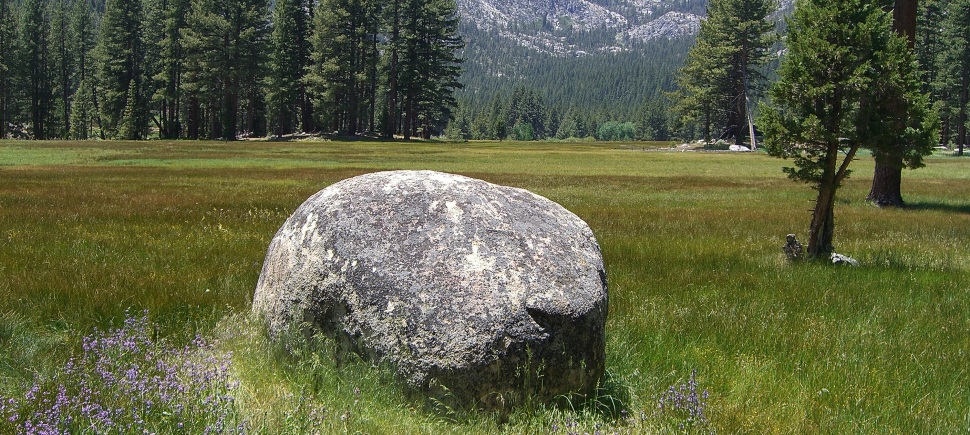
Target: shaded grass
x,y
692,247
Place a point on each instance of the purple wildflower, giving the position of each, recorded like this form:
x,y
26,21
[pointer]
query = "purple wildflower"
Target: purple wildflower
x,y
125,381
684,401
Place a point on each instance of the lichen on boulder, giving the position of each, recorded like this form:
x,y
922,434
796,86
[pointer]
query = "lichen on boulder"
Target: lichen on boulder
x,y
473,293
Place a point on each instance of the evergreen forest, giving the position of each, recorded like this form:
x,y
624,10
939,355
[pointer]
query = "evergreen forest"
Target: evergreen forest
x,y
207,69
226,69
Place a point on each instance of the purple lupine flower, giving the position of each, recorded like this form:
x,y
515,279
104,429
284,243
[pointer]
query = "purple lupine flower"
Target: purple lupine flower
x,y
123,379
683,398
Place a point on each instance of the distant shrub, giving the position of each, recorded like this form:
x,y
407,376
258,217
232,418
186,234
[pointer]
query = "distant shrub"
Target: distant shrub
x,y
523,131
617,131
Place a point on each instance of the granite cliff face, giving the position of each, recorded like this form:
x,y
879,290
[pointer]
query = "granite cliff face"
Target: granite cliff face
x,y
566,27
583,27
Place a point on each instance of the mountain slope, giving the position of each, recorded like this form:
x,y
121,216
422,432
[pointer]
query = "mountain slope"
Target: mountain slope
x,y
603,55
609,56
582,27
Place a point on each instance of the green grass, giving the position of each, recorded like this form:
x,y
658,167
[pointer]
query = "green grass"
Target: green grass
x,y
692,247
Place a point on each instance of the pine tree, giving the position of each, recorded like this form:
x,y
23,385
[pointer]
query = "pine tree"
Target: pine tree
x,y
121,56
8,66
886,190
721,74
525,107
394,45
429,67
846,82
82,105
225,43
166,64
568,128
701,88
64,66
81,111
955,67
130,125
653,122
345,58
287,65
207,69
35,70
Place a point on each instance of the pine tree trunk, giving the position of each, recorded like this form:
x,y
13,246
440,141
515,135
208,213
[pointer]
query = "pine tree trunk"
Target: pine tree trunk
x,y
742,113
307,123
36,117
945,131
372,121
215,121
962,116
231,111
3,108
707,126
886,189
822,229
886,182
904,19
3,103
406,128
392,92
193,118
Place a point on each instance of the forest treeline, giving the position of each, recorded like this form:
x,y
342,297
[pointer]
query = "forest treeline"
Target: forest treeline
x,y
131,69
509,87
206,69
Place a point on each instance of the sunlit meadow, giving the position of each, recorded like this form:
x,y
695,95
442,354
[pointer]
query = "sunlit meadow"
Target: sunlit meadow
x,y
127,272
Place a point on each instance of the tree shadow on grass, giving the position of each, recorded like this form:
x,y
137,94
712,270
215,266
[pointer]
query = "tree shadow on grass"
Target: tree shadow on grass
x,y
937,206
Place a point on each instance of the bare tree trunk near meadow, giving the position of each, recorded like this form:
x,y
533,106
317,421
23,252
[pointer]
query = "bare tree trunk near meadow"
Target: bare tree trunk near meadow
x,y
886,190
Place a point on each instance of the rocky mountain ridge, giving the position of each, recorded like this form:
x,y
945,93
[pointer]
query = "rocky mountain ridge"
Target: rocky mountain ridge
x,y
582,27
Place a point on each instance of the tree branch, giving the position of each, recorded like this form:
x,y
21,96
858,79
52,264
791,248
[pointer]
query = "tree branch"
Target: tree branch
x,y
844,167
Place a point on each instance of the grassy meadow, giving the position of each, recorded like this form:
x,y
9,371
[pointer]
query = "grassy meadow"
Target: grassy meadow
x,y
94,233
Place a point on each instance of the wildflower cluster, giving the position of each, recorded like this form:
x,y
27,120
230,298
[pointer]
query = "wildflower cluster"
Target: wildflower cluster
x,y
125,382
682,401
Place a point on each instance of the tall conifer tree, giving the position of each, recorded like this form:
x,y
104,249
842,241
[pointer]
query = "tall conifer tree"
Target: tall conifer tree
x,y
345,58
82,104
429,67
225,42
121,72
891,158
955,64
287,65
846,82
35,68
393,46
721,74
64,58
165,64
8,65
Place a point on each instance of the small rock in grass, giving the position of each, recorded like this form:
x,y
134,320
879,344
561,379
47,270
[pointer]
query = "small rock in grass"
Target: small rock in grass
x,y
792,248
842,259
474,293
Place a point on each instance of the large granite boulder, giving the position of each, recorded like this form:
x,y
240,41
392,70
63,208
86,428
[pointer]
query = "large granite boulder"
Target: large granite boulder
x,y
474,293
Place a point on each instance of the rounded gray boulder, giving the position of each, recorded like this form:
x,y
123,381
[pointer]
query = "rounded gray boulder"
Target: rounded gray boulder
x,y
473,293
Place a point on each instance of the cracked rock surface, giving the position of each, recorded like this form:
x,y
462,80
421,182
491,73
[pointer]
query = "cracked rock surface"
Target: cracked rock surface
x,y
474,293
